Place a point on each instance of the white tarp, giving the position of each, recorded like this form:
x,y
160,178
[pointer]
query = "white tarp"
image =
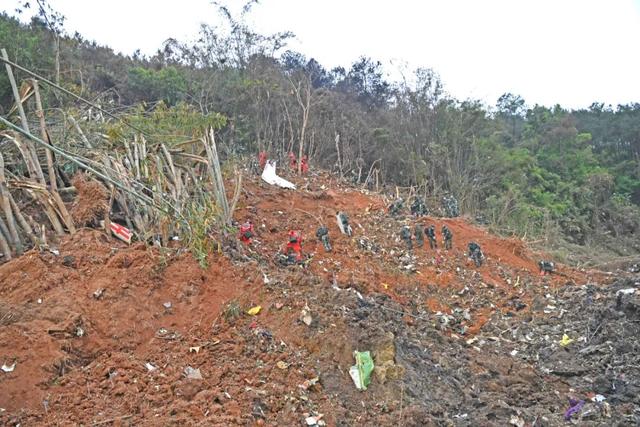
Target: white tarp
x,y
269,176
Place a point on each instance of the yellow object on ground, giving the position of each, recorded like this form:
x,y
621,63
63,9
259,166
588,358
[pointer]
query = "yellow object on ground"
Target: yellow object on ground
x,y
254,310
565,341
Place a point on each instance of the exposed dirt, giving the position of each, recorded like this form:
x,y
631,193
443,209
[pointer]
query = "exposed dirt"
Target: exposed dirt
x,y
90,204
102,333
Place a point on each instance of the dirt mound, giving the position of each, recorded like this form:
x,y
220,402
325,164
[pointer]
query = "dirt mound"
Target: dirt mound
x,y
102,332
91,202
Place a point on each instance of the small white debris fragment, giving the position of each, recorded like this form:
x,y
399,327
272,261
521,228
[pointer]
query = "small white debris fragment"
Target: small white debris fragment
x,y
628,291
150,367
305,316
8,368
167,305
192,373
39,300
314,421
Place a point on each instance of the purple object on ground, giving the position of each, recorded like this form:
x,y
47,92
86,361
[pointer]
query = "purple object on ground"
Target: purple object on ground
x,y
574,407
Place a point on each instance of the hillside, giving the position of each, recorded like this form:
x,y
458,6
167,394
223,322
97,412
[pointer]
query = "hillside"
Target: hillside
x,y
453,344
566,178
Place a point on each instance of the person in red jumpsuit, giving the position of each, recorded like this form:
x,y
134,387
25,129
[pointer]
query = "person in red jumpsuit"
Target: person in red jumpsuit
x,y
293,250
246,232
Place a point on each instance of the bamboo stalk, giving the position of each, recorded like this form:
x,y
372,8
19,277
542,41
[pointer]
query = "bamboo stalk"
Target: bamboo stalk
x,y
75,124
16,94
43,132
14,237
236,193
31,150
59,203
41,195
22,221
4,246
216,175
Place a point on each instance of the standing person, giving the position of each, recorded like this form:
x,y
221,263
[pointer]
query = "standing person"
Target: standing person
x,y
447,236
431,234
475,253
323,234
246,232
418,231
293,250
396,207
343,223
546,267
418,208
405,234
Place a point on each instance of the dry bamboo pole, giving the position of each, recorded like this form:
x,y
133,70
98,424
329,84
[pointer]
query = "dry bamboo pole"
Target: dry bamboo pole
x,y
43,133
38,196
3,228
24,152
216,174
14,237
172,169
75,124
23,117
60,206
23,222
16,94
4,246
236,193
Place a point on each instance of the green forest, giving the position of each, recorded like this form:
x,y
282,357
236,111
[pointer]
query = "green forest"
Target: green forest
x,y
568,179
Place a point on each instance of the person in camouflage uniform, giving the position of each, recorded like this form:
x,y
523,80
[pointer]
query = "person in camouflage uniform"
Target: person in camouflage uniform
x,y
396,207
405,234
431,234
447,236
323,234
418,207
546,267
418,231
475,253
450,206
343,223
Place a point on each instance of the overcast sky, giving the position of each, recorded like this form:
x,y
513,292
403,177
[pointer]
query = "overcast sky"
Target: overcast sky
x,y
571,52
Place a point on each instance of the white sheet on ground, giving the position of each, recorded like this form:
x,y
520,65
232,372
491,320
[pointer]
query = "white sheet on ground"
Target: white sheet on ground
x,y
269,176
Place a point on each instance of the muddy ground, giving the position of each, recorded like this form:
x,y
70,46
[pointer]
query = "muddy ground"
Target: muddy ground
x,y
109,334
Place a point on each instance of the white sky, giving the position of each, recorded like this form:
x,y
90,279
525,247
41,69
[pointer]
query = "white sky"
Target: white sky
x,y
571,52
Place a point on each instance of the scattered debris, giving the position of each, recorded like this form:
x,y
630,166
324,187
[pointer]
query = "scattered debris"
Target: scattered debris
x,y
305,315
565,341
270,177
361,371
150,367
307,384
8,368
192,373
315,420
574,408
254,310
